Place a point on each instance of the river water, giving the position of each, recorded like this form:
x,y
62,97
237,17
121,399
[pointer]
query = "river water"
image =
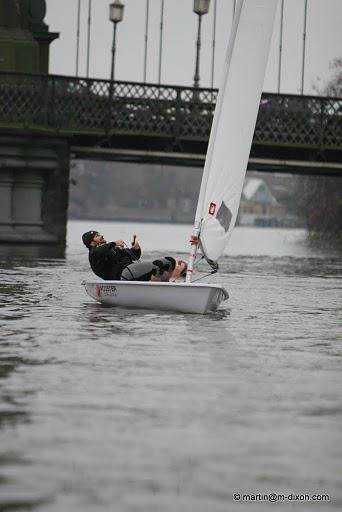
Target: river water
x,y
113,410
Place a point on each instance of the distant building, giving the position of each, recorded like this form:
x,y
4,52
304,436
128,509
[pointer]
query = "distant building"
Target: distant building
x,y
258,205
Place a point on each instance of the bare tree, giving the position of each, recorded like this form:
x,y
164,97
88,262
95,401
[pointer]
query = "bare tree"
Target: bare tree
x,y
334,86
321,197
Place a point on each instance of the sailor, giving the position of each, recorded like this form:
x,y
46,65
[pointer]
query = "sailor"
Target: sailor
x,y
109,259
179,273
163,269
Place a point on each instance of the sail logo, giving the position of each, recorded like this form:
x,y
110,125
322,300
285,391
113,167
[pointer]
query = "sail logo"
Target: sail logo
x,y
212,208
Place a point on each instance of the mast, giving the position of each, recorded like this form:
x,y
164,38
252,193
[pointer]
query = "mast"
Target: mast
x,y
195,237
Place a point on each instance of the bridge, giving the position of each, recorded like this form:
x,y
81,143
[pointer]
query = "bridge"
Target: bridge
x,y
159,123
46,119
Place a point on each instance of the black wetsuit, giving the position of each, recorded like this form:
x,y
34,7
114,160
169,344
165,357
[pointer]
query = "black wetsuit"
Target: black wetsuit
x,y
108,260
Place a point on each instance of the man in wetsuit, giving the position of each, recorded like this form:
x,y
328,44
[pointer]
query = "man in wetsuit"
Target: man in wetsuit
x,y
108,260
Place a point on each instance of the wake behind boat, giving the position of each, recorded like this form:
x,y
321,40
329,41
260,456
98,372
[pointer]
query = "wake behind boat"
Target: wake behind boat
x,y
224,171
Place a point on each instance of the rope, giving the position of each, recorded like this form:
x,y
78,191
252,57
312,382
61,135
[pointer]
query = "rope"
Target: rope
x,y
197,262
206,275
131,252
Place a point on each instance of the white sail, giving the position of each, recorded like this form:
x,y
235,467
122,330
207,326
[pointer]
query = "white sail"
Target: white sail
x,y
234,122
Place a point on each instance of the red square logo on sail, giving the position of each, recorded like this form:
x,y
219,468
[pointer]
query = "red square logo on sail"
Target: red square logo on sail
x,y
212,209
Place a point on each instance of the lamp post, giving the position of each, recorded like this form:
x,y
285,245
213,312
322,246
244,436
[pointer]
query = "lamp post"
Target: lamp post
x,y
200,7
116,9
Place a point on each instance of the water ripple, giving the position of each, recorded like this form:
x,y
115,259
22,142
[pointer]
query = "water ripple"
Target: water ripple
x,y
159,411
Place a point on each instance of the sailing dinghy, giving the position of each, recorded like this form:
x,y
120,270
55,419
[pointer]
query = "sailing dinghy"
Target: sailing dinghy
x,y
224,171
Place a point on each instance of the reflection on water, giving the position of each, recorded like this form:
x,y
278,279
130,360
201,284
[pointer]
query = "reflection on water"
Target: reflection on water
x,y
31,251
112,409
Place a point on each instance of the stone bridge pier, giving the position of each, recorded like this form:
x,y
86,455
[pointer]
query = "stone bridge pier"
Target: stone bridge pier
x,y
34,184
34,170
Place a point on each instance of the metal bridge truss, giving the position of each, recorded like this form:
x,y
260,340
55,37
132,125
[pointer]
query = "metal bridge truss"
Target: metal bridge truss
x,y
165,119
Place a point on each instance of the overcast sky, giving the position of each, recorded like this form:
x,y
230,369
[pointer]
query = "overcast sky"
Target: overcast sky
x,y
323,41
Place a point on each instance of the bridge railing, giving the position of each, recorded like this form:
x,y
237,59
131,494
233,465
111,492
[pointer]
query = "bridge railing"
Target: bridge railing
x,y
99,107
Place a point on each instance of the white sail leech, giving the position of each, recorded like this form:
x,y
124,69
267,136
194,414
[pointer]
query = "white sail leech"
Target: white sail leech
x,y
233,125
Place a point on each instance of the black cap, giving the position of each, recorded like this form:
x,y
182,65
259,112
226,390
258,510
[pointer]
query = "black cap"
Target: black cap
x,y
88,237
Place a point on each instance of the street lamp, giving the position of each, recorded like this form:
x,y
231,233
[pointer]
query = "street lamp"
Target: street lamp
x,y
200,7
116,10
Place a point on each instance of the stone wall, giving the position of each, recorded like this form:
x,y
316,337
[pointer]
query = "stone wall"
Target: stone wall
x,y
34,183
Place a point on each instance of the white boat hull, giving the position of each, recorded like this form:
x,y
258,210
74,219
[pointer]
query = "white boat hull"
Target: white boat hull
x,y
180,297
